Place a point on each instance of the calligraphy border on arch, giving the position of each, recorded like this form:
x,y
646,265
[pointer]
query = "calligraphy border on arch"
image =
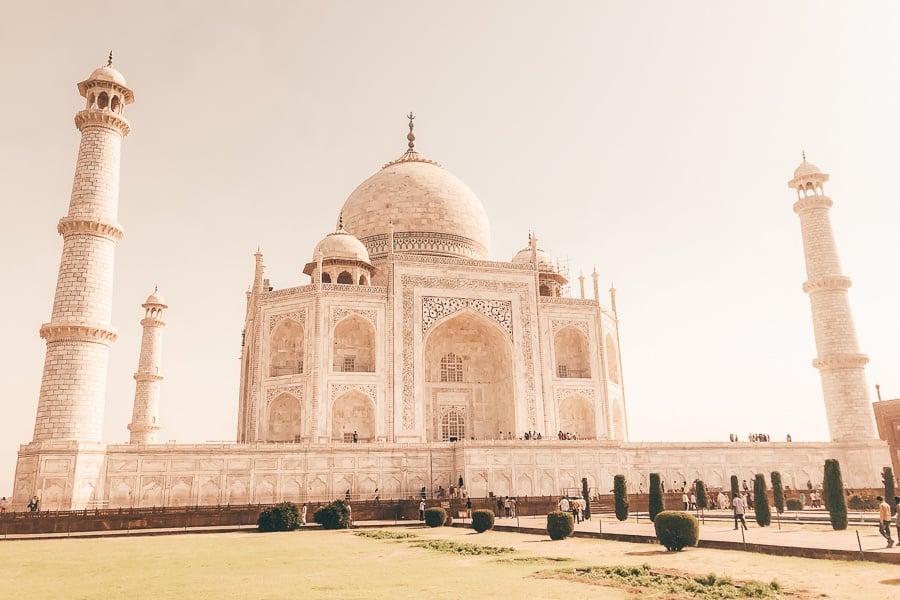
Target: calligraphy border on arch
x,y
435,308
294,390
409,283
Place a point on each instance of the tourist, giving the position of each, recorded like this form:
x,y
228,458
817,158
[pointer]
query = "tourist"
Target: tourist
x,y
897,510
685,500
564,504
499,507
377,495
355,437
303,514
422,510
33,504
507,507
514,506
737,504
722,501
468,508
347,495
4,504
693,501
641,488
884,521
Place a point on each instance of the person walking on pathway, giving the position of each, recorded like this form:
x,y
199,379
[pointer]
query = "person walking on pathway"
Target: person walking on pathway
x,y
897,510
737,504
884,521
303,515
421,510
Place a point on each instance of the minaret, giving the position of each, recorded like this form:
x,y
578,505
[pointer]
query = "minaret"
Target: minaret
x,y
73,386
840,364
144,418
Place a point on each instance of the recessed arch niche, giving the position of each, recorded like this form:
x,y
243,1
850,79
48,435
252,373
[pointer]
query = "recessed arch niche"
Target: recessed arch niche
x,y
284,419
573,356
354,345
485,395
353,412
576,415
286,349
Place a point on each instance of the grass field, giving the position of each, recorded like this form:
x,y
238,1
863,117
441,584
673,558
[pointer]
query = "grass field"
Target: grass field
x,y
437,563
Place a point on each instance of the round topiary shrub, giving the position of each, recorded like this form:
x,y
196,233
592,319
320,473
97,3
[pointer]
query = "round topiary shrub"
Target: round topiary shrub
x,y
333,516
794,504
435,516
560,525
482,520
676,530
281,517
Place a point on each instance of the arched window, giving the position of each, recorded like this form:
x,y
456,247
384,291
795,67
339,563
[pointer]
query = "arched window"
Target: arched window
x,y
545,290
115,104
453,425
451,368
103,100
362,280
326,278
345,278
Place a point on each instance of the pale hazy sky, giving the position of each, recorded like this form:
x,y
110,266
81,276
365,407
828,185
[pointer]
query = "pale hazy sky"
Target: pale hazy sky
x,y
653,140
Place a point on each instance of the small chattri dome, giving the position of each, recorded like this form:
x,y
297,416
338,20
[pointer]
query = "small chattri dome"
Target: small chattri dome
x,y
340,245
108,73
545,261
806,168
156,298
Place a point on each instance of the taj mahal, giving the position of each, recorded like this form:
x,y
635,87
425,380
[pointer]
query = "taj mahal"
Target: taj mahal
x,y
409,359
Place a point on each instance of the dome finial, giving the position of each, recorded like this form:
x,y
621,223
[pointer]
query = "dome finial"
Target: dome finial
x,y
109,60
411,136
340,221
803,154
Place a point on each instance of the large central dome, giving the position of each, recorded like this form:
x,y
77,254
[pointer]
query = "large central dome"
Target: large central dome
x,y
432,212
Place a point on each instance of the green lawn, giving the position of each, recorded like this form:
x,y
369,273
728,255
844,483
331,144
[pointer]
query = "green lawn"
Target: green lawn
x,y
340,564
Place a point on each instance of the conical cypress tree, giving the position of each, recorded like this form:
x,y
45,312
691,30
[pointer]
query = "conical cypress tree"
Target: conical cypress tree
x,y
735,488
700,491
887,477
621,497
777,492
833,493
761,502
656,496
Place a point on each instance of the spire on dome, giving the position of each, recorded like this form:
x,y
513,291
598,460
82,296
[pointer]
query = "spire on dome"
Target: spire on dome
x,y
803,154
411,155
340,226
109,60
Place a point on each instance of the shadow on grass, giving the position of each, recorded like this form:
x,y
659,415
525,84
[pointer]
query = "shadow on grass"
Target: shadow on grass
x,y
647,552
890,581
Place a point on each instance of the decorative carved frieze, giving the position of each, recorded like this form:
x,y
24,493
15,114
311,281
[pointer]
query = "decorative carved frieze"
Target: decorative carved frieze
x,y
581,326
435,308
299,316
293,390
58,332
339,389
567,392
70,226
341,313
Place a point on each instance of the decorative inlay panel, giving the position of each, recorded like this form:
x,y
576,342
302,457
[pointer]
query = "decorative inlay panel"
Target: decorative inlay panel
x,y
581,326
294,390
563,393
338,314
299,316
435,308
338,389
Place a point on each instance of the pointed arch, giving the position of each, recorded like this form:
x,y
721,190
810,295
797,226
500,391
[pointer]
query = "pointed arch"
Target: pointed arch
x,y
572,353
286,345
612,360
354,345
345,277
352,412
284,419
576,415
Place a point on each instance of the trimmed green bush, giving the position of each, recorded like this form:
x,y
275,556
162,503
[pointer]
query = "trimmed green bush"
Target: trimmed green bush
x,y
435,516
333,516
676,530
281,517
857,502
656,496
833,493
560,525
794,504
482,520
621,497
761,501
887,476
777,491
735,488
700,492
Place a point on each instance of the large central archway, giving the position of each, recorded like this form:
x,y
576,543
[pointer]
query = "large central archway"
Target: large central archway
x,y
468,379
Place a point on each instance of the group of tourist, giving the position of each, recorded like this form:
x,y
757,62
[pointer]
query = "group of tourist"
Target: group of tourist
x,y
507,507
566,435
533,435
577,506
756,437
884,519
